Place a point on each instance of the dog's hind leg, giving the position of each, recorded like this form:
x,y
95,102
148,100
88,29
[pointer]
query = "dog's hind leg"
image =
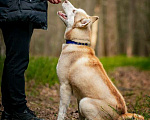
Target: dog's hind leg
x,y
80,116
94,109
65,93
88,110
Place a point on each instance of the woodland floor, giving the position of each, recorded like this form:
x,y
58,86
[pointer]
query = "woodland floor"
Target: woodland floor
x,y
131,82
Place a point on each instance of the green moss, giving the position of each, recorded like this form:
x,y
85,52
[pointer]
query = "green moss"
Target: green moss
x,y
1,65
43,69
110,63
142,106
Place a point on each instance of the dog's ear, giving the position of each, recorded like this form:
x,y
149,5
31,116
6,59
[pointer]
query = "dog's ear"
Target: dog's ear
x,y
94,18
83,23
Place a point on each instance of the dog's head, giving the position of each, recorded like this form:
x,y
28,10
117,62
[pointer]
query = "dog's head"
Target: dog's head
x,y
75,18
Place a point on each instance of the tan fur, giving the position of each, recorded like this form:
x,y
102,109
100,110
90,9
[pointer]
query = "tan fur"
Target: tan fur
x,y
73,33
79,16
81,73
131,116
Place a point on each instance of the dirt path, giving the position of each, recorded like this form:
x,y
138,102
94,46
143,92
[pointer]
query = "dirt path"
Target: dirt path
x,y
131,82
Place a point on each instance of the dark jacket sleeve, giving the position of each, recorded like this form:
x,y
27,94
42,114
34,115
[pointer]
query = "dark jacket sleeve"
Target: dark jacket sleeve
x,y
34,11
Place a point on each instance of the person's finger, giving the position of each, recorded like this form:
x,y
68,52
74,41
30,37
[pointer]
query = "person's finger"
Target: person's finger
x,y
59,1
51,1
56,1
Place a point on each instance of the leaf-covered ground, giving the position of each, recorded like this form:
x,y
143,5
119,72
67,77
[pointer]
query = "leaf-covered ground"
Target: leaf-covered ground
x,y
134,84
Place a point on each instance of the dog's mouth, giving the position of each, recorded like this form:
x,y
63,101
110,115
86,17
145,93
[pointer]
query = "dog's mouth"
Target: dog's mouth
x,y
63,15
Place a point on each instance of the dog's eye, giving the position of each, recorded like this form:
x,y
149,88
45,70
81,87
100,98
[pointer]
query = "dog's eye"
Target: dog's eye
x,y
73,11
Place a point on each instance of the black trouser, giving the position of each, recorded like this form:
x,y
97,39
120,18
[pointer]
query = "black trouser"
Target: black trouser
x,y
17,39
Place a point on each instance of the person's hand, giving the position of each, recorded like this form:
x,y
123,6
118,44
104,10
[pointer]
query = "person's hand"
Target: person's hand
x,y
55,1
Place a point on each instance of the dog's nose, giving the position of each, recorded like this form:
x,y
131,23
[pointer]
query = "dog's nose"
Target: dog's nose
x,y
66,1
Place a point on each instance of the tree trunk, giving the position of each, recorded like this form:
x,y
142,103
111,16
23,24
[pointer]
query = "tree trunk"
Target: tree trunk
x,y
2,46
100,48
111,28
130,39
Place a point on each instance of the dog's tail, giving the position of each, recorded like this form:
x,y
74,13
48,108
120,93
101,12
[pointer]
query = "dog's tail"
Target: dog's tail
x,y
131,116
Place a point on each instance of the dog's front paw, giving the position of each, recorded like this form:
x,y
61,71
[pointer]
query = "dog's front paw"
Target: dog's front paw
x,y
60,117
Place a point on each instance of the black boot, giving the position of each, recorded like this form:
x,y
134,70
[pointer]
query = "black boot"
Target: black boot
x,y
26,115
6,116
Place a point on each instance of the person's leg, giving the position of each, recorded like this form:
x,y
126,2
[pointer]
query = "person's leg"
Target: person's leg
x,y
17,38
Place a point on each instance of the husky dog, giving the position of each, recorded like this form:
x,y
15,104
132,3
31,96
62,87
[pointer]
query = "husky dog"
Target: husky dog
x,y
81,73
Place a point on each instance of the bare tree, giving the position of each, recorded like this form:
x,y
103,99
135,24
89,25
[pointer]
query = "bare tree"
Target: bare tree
x,y
111,28
130,40
2,46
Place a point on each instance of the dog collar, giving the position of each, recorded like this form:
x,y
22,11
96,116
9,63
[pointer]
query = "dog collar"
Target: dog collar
x,y
77,43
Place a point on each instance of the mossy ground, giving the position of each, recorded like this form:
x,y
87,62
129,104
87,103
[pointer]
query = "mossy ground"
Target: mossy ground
x,y
130,75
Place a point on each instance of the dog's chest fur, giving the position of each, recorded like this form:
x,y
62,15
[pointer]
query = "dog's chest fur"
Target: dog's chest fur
x,y
79,67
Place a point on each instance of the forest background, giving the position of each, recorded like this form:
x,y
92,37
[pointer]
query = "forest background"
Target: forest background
x,y
123,28
121,39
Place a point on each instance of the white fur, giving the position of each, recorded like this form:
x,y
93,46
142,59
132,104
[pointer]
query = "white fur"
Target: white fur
x,y
80,72
68,8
